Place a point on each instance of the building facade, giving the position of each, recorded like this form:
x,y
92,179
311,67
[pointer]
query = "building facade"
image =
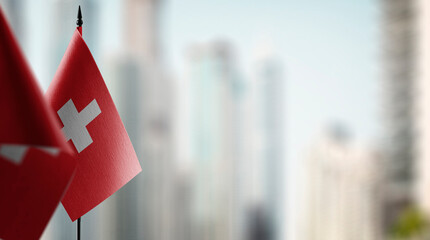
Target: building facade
x,y
398,75
422,105
214,140
156,97
266,162
342,198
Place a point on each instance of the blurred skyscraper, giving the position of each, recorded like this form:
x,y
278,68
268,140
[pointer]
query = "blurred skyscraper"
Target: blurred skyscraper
x,y
398,83
406,56
270,83
422,105
155,184
342,189
182,219
216,95
237,145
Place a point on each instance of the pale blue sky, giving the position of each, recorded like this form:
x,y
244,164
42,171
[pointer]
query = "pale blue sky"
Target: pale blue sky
x,y
329,49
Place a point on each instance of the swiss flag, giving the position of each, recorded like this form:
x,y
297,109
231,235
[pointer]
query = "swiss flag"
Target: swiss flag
x,y
35,165
91,123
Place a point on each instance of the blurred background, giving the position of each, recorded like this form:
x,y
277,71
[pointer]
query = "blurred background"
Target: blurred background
x,y
298,120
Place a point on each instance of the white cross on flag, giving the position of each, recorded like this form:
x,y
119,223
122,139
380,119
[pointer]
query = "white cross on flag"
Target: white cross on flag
x,y
35,168
93,128
75,124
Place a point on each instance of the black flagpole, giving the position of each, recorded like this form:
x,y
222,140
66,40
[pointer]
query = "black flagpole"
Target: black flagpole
x,y
79,22
78,230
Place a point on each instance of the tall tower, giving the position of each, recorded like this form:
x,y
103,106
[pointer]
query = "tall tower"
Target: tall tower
x,y
154,185
271,111
398,83
216,95
422,109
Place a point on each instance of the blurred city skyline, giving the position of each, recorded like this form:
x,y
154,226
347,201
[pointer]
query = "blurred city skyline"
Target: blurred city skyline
x,y
327,53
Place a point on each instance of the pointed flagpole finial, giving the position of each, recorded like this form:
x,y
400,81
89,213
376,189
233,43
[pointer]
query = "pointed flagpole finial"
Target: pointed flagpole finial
x,y
79,22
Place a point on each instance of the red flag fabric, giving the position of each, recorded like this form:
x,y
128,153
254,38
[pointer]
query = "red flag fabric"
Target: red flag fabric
x,y
35,165
32,191
106,158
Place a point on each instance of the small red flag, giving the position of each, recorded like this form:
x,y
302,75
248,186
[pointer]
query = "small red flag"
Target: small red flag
x,y
106,158
35,169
